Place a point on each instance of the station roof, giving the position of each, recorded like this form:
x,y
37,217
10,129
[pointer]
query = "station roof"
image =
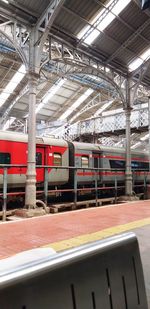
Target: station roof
x,y
111,35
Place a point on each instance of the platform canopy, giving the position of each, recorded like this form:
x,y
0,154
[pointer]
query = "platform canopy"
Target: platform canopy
x,y
92,48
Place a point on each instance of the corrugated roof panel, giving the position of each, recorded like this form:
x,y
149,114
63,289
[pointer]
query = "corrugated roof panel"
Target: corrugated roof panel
x,y
105,44
118,31
146,33
46,112
133,15
58,99
33,6
138,46
86,9
69,22
125,57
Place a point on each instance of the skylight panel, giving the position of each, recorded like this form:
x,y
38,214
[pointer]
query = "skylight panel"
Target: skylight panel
x,y
92,36
136,145
50,93
76,104
113,112
144,137
5,1
8,123
16,79
102,20
135,64
104,107
139,60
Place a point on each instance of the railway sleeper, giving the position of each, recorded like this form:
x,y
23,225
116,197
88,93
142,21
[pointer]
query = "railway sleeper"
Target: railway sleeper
x,y
85,204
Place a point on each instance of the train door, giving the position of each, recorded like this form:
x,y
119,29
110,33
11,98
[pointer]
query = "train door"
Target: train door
x,y
96,163
40,160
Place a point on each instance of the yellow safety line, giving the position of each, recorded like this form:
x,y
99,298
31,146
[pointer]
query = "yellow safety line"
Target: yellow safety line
x,y
83,239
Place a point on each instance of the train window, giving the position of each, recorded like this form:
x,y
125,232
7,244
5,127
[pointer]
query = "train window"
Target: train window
x,y
38,158
117,164
95,162
140,165
5,158
57,159
84,161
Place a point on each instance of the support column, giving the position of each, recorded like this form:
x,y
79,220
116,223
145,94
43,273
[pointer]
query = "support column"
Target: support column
x,y
30,196
149,128
128,172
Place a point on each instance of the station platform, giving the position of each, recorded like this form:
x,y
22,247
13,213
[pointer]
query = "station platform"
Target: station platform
x,y
62,231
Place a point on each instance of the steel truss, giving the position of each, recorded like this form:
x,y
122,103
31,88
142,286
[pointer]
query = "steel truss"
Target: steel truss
x,y
104,125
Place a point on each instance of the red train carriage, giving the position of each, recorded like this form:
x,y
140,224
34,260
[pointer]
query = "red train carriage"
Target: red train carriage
x,y
13,150
57,152
112,162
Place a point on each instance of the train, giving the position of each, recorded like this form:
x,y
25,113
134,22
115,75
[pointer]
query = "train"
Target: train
x,y
85,157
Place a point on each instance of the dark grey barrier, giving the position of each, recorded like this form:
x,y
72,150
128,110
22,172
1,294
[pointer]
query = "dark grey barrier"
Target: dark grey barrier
x,y
106,274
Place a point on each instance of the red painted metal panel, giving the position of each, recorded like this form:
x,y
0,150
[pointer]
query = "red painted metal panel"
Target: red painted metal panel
x,y
40,171
18,152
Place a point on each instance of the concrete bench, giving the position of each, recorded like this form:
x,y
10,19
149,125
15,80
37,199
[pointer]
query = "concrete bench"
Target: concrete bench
x,y
106,274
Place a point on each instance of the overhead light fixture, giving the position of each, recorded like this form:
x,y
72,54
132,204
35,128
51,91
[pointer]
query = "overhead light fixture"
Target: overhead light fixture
x,y
89,34
16,79
76,104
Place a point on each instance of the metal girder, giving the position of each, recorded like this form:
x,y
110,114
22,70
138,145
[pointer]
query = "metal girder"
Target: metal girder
x,y
136,79
112,125
44,23
76,61
18,125
96,72
128,41
122,21
98,21
97,101
140,71
18,36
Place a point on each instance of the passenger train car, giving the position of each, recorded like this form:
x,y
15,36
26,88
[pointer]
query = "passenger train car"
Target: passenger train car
x,y
58,152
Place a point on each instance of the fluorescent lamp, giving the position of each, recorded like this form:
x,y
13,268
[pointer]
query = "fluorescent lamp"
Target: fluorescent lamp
x,y
76,104
102,23
16,79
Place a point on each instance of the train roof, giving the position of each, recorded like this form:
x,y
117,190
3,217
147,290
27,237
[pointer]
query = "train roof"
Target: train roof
x,y
21,137
99,147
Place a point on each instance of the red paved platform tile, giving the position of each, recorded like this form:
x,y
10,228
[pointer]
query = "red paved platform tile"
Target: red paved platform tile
x,y
32,233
